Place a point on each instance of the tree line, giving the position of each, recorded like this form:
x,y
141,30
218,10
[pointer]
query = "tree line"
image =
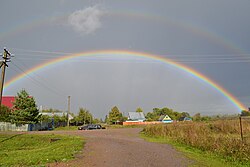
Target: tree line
x,y
25,111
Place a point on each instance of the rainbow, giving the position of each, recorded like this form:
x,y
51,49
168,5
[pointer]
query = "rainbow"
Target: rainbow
x,y
167,21
189,70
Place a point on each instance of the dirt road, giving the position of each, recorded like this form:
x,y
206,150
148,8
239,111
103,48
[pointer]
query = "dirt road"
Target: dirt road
x,y
123,147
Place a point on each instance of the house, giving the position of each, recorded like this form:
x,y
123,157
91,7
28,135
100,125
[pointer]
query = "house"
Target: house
x,y
185,119
8,101
60,114
136,116
165,119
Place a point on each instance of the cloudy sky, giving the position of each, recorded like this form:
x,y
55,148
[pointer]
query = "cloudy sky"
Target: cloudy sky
x,y
211,37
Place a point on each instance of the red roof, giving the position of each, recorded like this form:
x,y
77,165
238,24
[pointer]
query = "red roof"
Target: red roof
x,y
8,101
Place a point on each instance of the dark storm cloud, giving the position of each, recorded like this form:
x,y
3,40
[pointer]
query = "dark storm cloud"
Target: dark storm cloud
x,y
174,29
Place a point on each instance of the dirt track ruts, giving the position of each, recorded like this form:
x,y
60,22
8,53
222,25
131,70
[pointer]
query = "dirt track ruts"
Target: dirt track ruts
x,y
122,147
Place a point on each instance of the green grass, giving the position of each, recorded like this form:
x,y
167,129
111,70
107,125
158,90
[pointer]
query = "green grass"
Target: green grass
x,y
37,149
201,158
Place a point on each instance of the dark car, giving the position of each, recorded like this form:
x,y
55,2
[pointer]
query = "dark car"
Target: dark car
x,y
91,127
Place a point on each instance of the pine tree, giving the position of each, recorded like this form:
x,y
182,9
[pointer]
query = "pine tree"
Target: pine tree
x,y
25,109
4,114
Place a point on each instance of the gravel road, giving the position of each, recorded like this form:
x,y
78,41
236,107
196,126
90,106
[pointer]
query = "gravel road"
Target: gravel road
x,y
123,148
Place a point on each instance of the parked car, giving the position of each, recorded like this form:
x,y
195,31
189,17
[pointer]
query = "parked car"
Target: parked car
x,y
91,127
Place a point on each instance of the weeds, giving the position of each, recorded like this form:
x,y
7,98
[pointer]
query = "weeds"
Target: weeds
x,y
220,137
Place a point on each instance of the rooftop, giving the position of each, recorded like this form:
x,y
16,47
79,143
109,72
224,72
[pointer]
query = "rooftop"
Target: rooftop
x,y
8,101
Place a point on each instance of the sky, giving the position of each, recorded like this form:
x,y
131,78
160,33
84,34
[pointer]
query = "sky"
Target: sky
x,y
211,37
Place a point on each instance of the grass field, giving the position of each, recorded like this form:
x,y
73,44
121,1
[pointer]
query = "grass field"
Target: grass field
x,y
219,138
37,149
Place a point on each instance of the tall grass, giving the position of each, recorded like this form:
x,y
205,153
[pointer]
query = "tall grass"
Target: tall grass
x,y
220,137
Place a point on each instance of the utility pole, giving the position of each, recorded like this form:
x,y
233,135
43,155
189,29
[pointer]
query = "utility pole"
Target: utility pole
x,y
3,64
68,110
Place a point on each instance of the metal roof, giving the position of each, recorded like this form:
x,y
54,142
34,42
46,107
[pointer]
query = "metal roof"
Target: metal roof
x,y
136,116
8,101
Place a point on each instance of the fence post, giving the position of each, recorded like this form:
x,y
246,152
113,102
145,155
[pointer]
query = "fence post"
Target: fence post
x,y
241,131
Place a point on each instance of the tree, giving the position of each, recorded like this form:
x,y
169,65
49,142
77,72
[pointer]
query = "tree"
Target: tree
x,y
5,114
197,117
106,120
179,115
25,109
51,110
97,121
245,113
115,115
185,114
84,116
54,116
45,118
157,112
58,119
139,109
153,116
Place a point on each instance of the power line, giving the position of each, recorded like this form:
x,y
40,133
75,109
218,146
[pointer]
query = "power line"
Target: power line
x,y
27,56
67,53
42,78
45,52
185,58
37,82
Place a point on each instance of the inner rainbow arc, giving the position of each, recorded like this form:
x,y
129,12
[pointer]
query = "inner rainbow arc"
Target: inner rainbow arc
x,y
182,67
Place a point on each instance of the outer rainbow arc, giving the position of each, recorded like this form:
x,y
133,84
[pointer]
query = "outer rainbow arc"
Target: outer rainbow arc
x,y
202,77
200,31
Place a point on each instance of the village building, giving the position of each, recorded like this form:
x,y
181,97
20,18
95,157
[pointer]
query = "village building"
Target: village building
x,y
8,101
136,117
165,119
185,119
